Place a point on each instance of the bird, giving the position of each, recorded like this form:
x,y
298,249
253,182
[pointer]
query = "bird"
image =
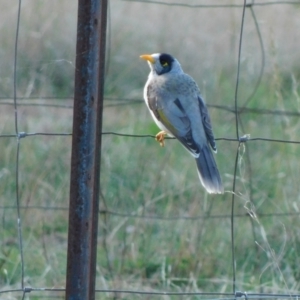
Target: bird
x,y
177,107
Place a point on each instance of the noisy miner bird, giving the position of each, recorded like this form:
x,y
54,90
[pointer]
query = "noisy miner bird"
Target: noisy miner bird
x,y
176,105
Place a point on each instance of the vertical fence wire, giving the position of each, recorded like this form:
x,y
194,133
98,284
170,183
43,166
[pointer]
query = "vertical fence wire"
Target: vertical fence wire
x,y
238,148
18,136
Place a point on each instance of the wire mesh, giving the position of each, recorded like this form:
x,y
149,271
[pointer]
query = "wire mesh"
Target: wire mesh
x,y
153,233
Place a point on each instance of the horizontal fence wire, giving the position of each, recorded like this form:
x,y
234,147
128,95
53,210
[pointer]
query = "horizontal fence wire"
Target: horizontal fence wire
x,y
115,102
242,139
180,4
157,217
236,110
223,296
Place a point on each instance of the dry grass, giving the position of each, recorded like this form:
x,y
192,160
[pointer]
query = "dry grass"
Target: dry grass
x,y
139,177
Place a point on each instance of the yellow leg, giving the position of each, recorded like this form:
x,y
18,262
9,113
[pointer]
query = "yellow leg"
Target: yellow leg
x,y
160,137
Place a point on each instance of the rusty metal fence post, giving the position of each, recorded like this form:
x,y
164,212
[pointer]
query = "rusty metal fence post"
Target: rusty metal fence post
x,y
86,145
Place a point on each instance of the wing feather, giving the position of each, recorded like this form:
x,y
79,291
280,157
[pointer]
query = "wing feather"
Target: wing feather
x,y
207,124
175,119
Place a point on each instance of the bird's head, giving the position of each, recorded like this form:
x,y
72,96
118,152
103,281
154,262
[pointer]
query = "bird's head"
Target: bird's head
x,y
162,63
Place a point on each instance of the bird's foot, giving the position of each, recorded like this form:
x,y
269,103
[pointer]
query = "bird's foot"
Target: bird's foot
x,y
160,137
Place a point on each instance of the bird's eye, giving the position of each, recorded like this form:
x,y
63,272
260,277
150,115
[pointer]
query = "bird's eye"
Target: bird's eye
x,y
164,64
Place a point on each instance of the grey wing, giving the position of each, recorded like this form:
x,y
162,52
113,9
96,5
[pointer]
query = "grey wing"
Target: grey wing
x,y
174,118
207,124
185,136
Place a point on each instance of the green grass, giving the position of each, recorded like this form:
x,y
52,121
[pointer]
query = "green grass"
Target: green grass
x,y
138,177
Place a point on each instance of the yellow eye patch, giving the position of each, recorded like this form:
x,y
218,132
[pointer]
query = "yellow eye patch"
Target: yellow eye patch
x,y
165,64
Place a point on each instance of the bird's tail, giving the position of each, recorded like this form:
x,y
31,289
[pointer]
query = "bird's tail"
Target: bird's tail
x,y
208,172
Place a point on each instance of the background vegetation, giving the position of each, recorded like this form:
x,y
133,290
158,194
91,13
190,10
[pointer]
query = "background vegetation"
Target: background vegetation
x,y
185,252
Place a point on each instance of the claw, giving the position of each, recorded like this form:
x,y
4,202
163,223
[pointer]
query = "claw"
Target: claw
x,y
160,137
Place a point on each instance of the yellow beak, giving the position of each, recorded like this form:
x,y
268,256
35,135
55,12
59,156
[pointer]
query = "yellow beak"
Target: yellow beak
x,y
148,57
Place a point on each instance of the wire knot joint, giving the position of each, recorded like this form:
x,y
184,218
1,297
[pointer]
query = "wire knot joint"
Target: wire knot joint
x,y
21,135
241,294
244,138
27,290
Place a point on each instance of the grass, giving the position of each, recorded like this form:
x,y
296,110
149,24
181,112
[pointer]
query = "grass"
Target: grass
x,y
139,177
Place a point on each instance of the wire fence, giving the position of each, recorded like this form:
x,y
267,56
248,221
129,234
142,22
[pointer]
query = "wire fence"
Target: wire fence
x,y
131,235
